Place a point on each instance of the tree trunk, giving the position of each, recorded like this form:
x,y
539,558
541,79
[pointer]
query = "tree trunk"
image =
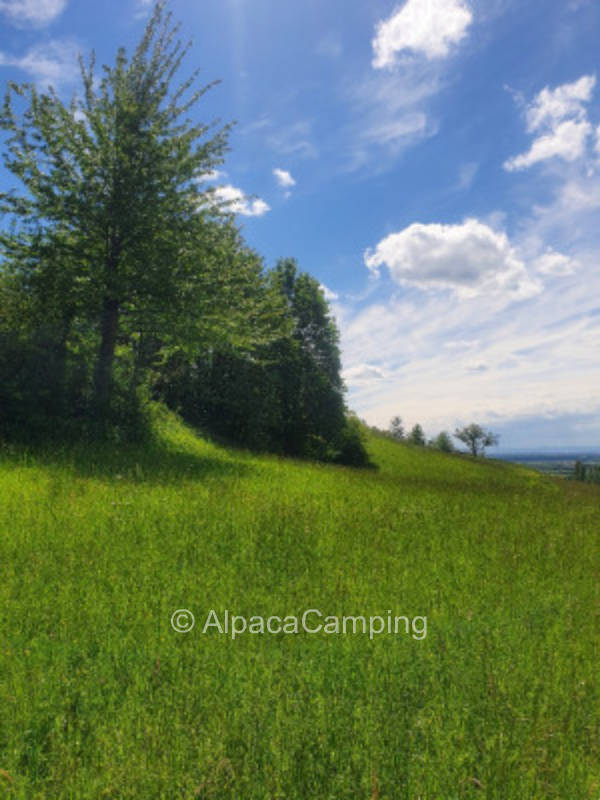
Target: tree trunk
x,y
109,326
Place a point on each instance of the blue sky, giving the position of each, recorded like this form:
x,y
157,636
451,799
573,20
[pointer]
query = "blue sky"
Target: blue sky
x,y
434,163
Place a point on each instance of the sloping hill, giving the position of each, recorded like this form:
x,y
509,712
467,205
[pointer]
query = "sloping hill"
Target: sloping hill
x,y
493,695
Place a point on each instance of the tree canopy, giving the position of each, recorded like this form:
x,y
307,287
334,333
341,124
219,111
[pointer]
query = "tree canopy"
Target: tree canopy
x,y
113,230
119,272
476,438
396,428
417,435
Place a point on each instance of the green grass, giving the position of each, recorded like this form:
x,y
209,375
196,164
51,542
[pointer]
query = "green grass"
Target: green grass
x,y
100,698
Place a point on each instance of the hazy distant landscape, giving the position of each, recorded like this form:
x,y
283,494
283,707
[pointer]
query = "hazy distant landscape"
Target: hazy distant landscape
x,y
554,462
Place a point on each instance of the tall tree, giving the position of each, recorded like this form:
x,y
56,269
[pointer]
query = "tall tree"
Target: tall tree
x,y
308,365
476,438
396,428
443,442
416,435
113,218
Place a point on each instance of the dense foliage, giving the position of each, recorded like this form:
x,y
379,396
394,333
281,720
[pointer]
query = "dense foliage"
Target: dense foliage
x,y
121,277
476,438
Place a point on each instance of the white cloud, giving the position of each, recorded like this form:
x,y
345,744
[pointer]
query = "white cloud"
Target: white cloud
x,y
553,263
363,373
553,105
388,131
237,202
446,363
488,327
469,258
575,197
329,295
283,178
54,63
389,116
598,140
559,118
211,175
294,139
567,140
37,13
460,344
427,27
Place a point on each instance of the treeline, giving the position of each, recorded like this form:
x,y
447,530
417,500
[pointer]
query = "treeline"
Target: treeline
x,y
416,436
587,473
474,436
122,280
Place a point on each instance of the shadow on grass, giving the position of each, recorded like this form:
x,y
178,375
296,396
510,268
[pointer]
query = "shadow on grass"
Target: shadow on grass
x,y
148,462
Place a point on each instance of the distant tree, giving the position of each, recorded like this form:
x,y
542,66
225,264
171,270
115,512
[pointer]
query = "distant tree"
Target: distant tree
x,y
416,436
476,438
396,428
443,442
589,473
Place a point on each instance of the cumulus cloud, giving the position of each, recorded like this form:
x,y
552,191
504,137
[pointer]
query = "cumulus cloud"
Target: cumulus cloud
x,y
469,258
36,13
559,118
238,203
425,27
390,106
553,263
567,140
447,363
553,105
54,63
283,178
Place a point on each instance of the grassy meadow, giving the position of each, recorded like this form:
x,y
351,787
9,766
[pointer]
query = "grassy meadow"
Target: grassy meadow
x,y
101,698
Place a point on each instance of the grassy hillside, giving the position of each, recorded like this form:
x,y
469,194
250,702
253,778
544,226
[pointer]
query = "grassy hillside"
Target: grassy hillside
x,y
101,698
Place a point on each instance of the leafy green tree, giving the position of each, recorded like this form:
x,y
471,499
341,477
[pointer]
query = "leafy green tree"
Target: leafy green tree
x,y
416,436
443,442
284,395
113,233
396,428
476,438
307,363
